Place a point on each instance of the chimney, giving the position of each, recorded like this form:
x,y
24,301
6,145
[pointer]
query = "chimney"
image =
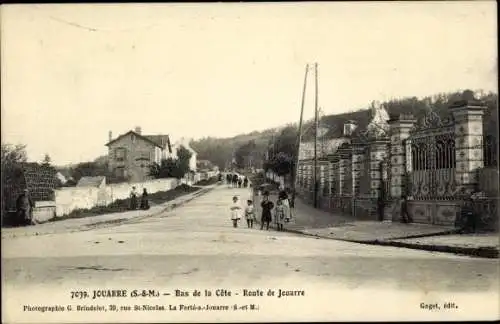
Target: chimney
x,y
138,130
110,136
349,127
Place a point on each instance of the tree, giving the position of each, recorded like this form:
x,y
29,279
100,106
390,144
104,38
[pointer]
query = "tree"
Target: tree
x,y
183,158
13,157
13,154
46,160
245,152
172,168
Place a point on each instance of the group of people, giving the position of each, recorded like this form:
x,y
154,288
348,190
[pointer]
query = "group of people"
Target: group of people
x,y
134,199
236,181
282,212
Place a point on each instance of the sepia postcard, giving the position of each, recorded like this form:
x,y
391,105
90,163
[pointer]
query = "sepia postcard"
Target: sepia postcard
x,y
250,162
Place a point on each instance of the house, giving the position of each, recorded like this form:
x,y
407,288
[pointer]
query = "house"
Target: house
x,y
64,176
97,182
131,154
185,142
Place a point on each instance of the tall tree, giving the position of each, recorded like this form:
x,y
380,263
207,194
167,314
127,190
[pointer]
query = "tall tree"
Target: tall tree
x,y
172,168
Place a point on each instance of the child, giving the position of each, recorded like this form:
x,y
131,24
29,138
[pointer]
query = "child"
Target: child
x,y
266,206
279,215
249,213
235,211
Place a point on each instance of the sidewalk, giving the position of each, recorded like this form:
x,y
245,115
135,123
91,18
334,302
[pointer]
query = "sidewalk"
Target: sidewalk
x,y
99,221
310,221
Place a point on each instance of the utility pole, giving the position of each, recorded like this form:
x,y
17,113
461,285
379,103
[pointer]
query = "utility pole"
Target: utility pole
x,y
299,136
316,136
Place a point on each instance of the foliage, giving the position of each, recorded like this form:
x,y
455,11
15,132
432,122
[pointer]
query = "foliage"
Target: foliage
x,y
13,154
94,169
245,152
172,168
283,152
183,157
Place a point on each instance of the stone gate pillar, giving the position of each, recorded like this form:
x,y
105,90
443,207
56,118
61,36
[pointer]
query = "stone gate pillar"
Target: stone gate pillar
x,y
357,160
378,152
468,116
399,131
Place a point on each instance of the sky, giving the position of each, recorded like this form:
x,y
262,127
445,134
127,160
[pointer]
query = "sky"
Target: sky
x,y
72,73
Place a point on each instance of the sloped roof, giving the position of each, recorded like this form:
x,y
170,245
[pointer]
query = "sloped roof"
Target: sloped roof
x,y
335,124
324,148
90,181
138,135
40,181
65,173
161,140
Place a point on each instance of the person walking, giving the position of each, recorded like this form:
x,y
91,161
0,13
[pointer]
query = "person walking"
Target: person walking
x,y
250,213
267,206
405,216
24,208
235,181
245,182
144,200
133,199
235,211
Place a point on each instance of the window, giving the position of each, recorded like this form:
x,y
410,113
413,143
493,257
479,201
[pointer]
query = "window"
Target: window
x,y
120,154
133,138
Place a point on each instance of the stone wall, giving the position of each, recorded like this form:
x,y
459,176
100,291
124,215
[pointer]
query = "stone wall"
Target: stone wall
x,y
69,199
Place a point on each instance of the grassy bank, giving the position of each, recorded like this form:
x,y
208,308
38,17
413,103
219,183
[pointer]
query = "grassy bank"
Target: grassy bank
x,y
122,205
207,182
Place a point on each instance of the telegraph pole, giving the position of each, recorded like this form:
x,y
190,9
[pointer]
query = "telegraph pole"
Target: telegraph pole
x,y
316,136
299,136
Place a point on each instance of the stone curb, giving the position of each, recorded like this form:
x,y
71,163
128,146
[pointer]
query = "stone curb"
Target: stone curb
x,y
481,252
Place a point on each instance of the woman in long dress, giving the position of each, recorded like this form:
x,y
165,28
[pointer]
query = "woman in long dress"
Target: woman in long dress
x,y
235,211
133,199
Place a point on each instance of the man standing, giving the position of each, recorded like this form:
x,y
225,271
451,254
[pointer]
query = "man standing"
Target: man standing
x,y
24,207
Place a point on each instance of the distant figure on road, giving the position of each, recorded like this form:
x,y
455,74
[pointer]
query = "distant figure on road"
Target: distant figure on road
x,y
24,208
267,207
235,181
144,200
235,211
133,199
250,213
245,182
239,182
